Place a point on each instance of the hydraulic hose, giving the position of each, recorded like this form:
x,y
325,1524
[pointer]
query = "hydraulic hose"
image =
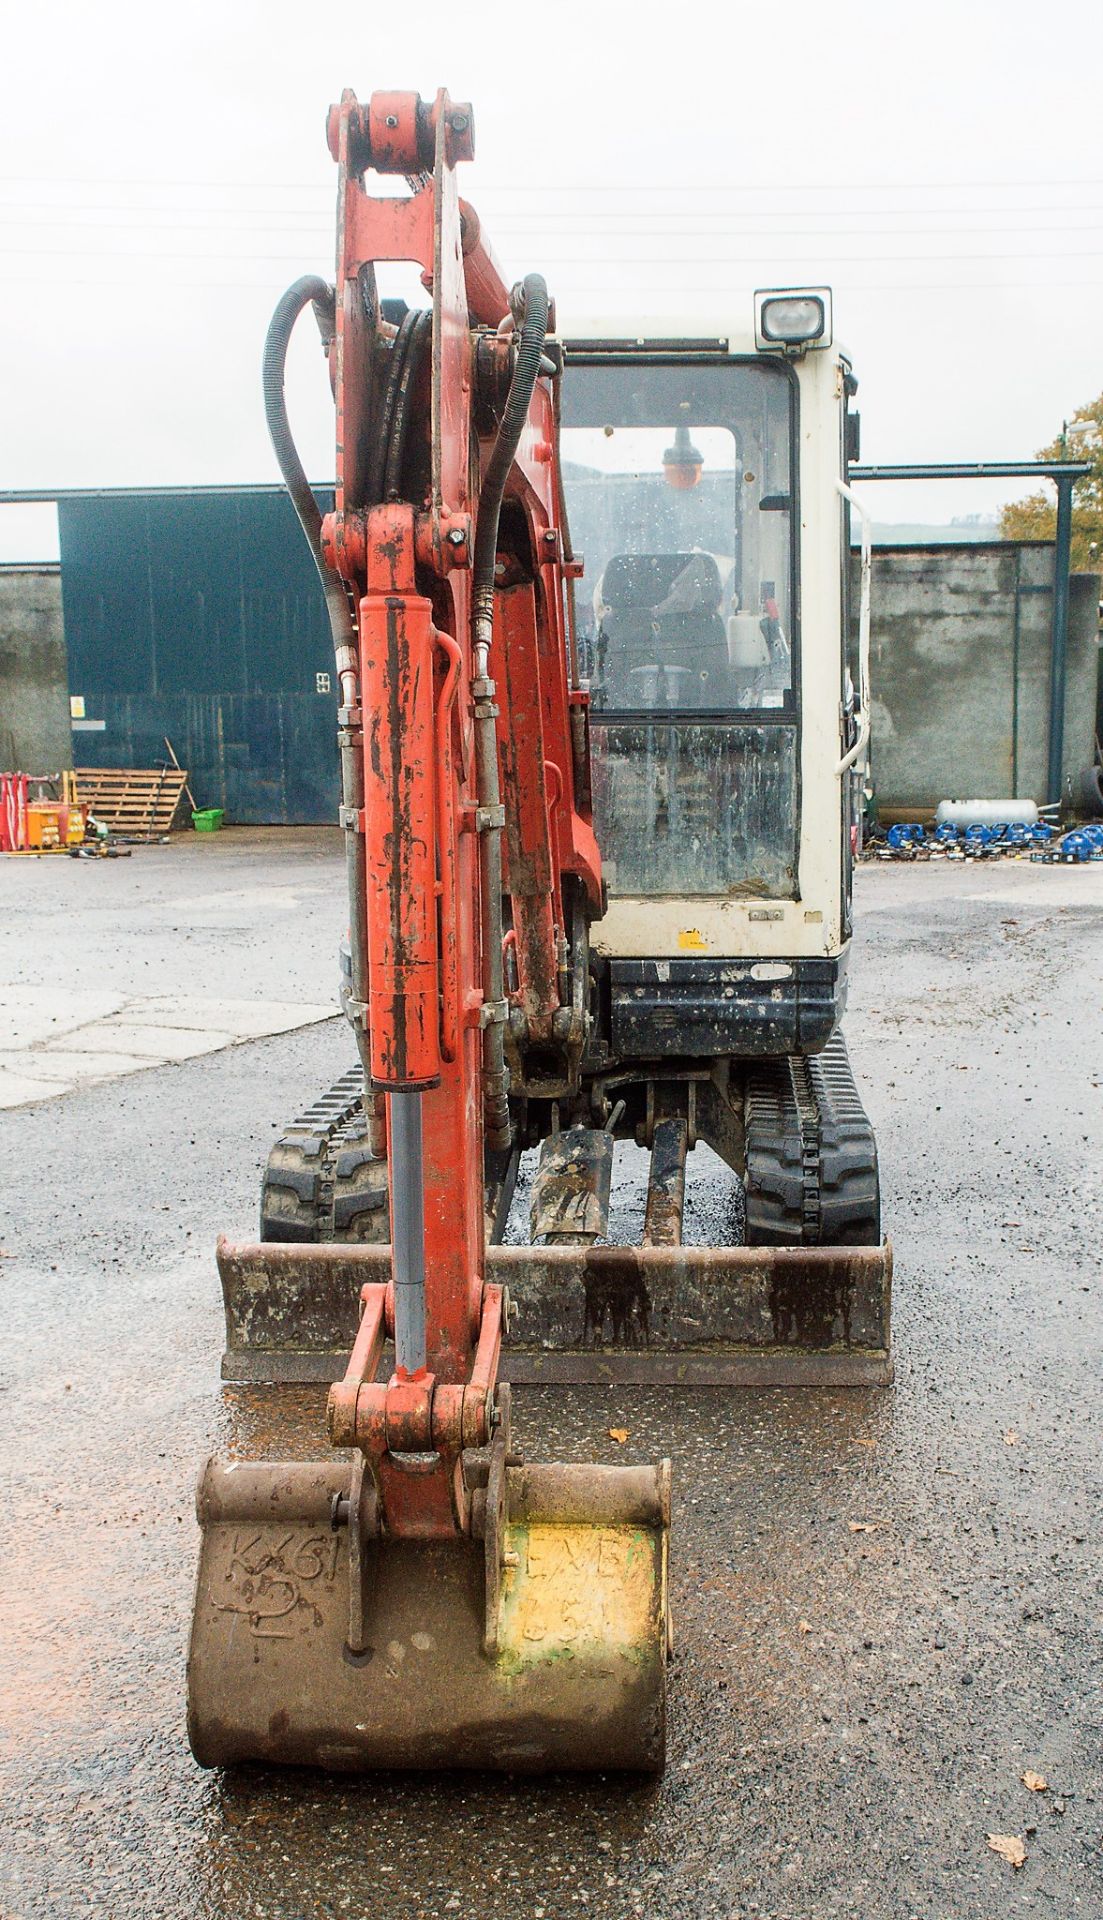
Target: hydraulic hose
x,y
531,308
309,291
396,363
312,291
403,405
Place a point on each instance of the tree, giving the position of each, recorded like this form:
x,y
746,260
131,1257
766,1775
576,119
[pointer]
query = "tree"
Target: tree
x,y
1035,518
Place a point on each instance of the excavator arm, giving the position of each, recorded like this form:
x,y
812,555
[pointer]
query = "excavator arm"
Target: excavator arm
x,y
530,1601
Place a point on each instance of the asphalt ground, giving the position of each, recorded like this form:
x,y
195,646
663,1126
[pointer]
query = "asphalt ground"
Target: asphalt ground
x,y
888,1603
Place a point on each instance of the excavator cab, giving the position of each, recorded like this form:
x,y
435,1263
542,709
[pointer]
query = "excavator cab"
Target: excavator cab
x,y
687,629
706,484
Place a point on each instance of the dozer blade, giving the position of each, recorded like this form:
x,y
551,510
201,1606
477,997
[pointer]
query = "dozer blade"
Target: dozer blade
x,y
759,1316
542,1645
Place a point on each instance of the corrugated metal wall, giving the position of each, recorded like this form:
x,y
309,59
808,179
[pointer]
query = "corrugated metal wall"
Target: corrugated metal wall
x,y
198,615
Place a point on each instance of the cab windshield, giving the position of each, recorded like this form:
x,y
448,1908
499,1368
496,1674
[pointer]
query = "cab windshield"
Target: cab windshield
x,y
679,477
679,492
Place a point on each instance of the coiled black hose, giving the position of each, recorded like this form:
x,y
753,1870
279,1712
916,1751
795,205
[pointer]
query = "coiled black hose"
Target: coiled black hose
x,y
308,291
399,422
397,358
534,329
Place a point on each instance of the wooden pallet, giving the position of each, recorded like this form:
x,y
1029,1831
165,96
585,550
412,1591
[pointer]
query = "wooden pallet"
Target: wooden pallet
x,y
137,802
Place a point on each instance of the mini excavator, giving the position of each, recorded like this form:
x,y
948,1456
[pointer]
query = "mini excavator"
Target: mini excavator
x,y
598,852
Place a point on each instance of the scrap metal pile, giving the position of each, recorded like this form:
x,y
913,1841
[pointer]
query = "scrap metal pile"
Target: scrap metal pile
x,y
1039,841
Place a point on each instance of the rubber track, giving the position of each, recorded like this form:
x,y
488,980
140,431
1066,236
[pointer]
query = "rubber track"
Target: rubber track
x,y
322,1181
811,1174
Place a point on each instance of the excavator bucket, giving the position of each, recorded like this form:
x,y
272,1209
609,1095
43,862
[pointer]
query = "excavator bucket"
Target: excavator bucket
x,y
540,1645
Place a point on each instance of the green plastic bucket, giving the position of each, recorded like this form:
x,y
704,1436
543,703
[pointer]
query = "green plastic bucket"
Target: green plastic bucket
x,y
208,820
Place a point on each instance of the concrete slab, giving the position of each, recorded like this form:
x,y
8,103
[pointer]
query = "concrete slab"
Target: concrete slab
x,y
77,1015
244,1019
159,1044
30,1015
20,1090
64,1068
141,1034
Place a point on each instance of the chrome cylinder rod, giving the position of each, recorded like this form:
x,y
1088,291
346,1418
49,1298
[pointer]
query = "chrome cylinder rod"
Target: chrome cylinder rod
x,y
408,1230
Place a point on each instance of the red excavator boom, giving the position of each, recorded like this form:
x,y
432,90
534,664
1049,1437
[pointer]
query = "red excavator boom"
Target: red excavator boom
x,y
533,1599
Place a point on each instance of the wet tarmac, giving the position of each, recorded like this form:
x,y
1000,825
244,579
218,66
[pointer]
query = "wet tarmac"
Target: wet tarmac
x,y
888,1603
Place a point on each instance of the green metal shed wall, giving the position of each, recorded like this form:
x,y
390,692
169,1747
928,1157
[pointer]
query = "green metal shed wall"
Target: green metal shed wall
x,y
198,615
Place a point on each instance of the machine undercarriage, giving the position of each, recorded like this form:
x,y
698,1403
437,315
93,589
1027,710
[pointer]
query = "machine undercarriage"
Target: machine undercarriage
x,y
790,1129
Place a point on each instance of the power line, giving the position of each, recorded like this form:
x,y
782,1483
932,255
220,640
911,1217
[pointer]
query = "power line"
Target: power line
x,y
811,186
642,292
679,231
593,221
570,264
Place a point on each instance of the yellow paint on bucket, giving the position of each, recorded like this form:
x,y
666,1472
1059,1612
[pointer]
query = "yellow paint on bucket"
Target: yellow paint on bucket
x,y
568,1589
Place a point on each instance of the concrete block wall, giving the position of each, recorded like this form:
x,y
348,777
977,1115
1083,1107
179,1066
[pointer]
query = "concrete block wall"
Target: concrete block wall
x,y
960,664
35,735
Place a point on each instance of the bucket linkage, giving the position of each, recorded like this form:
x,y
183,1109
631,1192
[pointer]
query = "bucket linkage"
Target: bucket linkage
x,y
433,1601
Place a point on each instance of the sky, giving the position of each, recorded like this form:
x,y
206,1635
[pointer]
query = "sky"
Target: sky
x,y
164,175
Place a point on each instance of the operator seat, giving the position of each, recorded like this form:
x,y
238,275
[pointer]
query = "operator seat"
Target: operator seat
x,y
655,656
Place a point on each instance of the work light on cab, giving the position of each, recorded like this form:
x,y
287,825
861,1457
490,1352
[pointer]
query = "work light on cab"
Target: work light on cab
x,y
793,318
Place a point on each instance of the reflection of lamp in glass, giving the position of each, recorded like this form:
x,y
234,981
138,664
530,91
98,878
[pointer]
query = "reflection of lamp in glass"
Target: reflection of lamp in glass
x,y
682,462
